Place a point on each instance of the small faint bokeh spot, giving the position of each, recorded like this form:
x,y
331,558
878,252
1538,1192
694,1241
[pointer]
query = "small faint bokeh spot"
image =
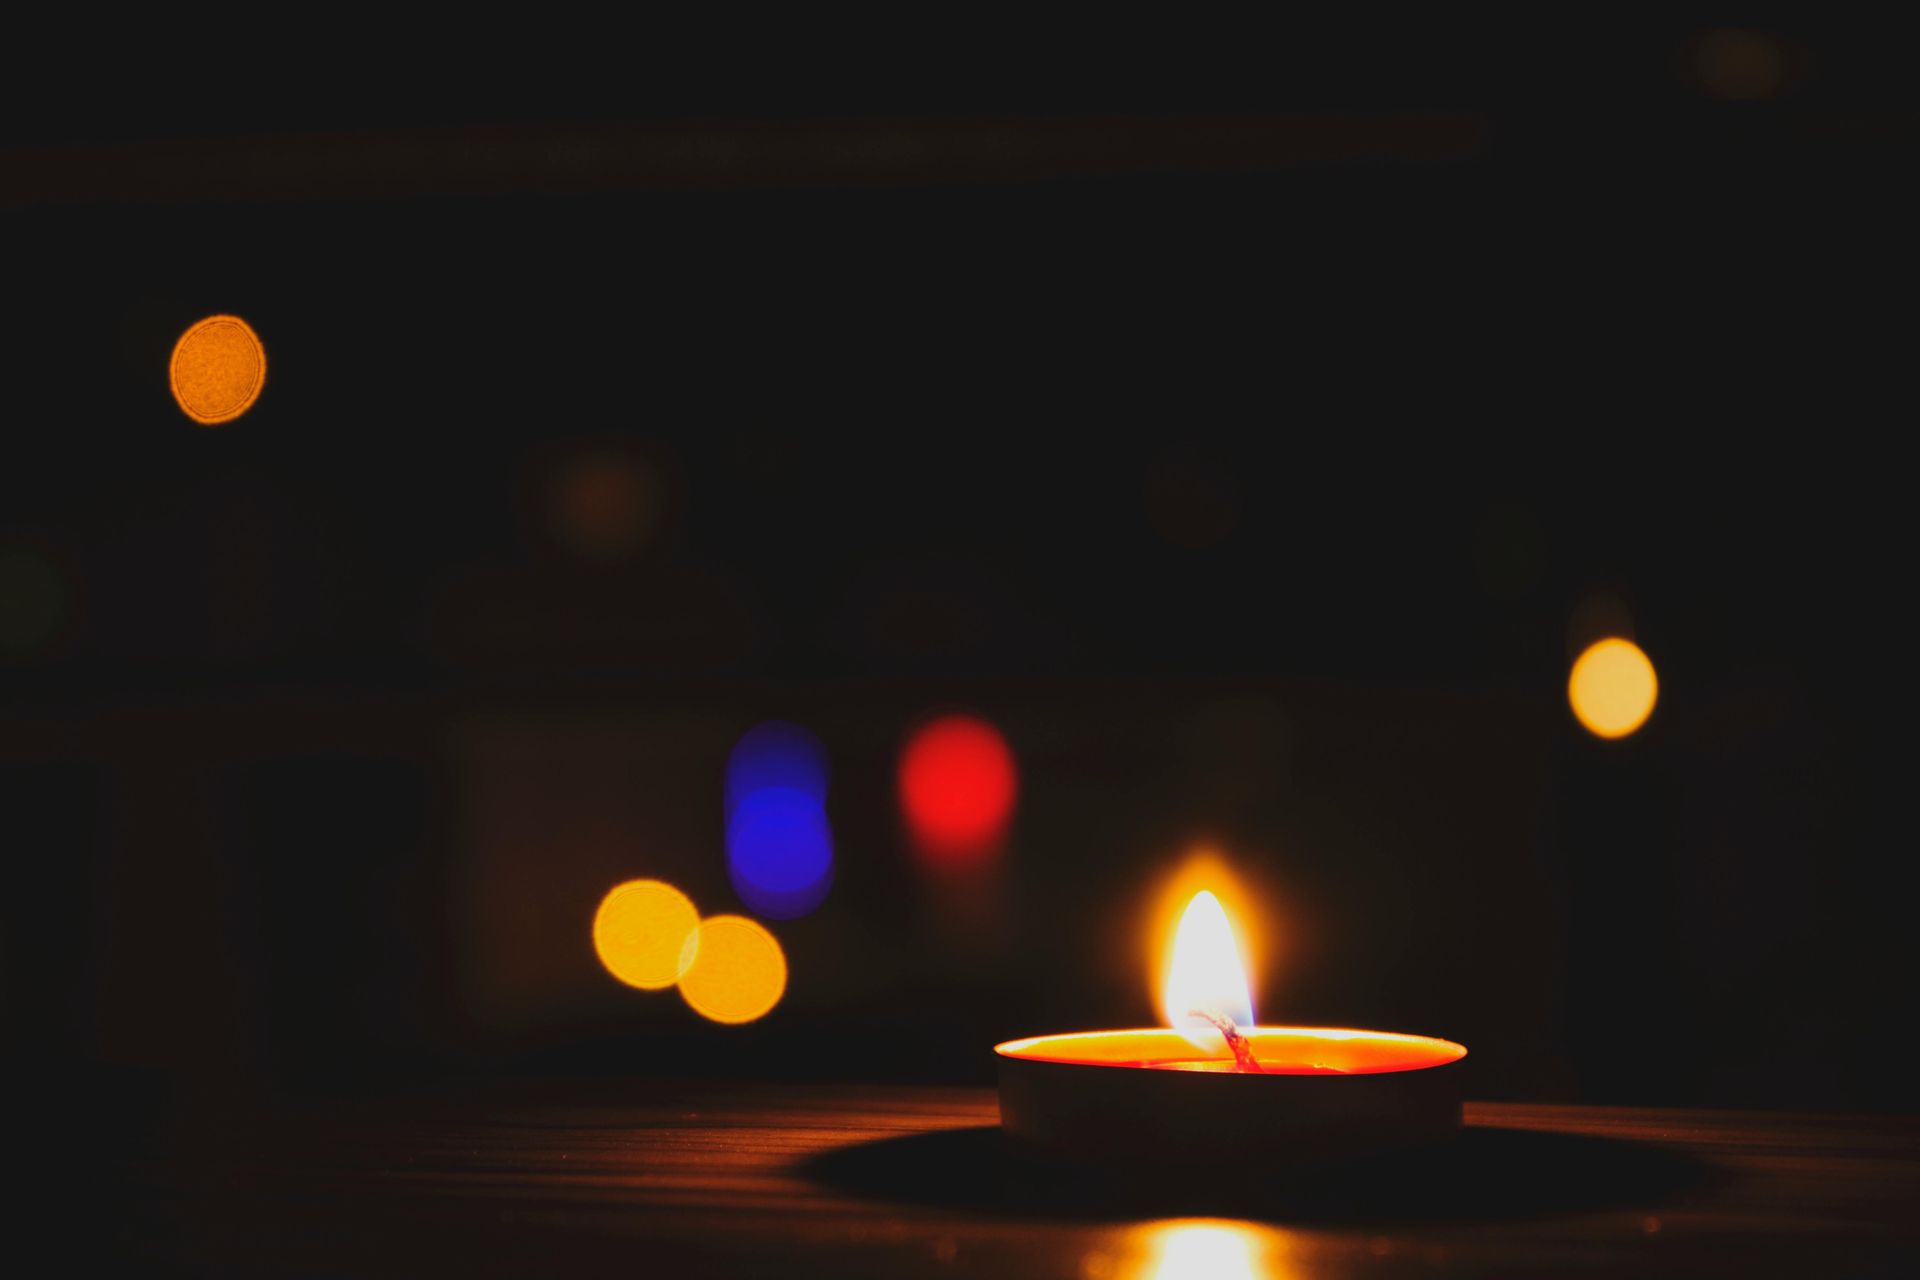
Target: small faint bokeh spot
x,y
1741,65
1191,503
33,601
1510,550
605,505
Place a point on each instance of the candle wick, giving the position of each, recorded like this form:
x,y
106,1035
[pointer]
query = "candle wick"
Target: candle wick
x,y
1243,1059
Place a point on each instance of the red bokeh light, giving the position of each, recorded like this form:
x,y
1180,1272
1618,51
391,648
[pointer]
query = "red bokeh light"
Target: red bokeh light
x,y
957,785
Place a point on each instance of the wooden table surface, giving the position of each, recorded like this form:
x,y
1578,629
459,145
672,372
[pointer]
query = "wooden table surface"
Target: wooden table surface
x,y
653,1179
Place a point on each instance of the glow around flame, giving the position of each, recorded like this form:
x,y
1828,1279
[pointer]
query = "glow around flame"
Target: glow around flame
x,y
1206,973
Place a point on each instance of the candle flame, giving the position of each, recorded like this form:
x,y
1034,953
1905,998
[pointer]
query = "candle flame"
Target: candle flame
x,y
1206,976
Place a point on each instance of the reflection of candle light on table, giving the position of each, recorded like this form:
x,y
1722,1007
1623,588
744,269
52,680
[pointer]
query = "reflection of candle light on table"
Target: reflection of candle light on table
x,y
1207,1251
1194,1249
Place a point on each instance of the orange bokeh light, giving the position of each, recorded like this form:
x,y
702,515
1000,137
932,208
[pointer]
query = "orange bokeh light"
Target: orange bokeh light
x,y
217,369
1613,688
642,933
733,970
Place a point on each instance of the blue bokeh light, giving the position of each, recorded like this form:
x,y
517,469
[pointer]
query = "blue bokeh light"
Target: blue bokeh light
x,y
780,853
776,754
779,845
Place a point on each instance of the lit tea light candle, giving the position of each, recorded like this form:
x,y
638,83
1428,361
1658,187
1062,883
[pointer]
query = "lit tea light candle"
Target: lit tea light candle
x,y
1212,1084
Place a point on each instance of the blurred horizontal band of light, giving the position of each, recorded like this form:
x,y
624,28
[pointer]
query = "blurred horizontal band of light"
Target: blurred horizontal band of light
x,y
779,843
735,971
642,932
217,369
1613,688
958,783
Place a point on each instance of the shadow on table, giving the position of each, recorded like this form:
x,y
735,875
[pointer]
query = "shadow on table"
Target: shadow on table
x,y
1481,1174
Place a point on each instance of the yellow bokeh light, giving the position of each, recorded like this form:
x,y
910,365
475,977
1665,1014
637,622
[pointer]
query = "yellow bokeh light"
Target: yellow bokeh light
x,y
217,369
1613,688
644,933
735,971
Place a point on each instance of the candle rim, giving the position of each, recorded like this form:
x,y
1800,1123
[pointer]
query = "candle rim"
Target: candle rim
x,y
1440,1052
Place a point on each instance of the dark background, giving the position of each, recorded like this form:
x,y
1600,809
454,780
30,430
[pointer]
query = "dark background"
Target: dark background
x,y
1254,437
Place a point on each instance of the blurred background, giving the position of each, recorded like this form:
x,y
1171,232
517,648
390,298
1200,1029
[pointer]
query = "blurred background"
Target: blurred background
x,y
1247,450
